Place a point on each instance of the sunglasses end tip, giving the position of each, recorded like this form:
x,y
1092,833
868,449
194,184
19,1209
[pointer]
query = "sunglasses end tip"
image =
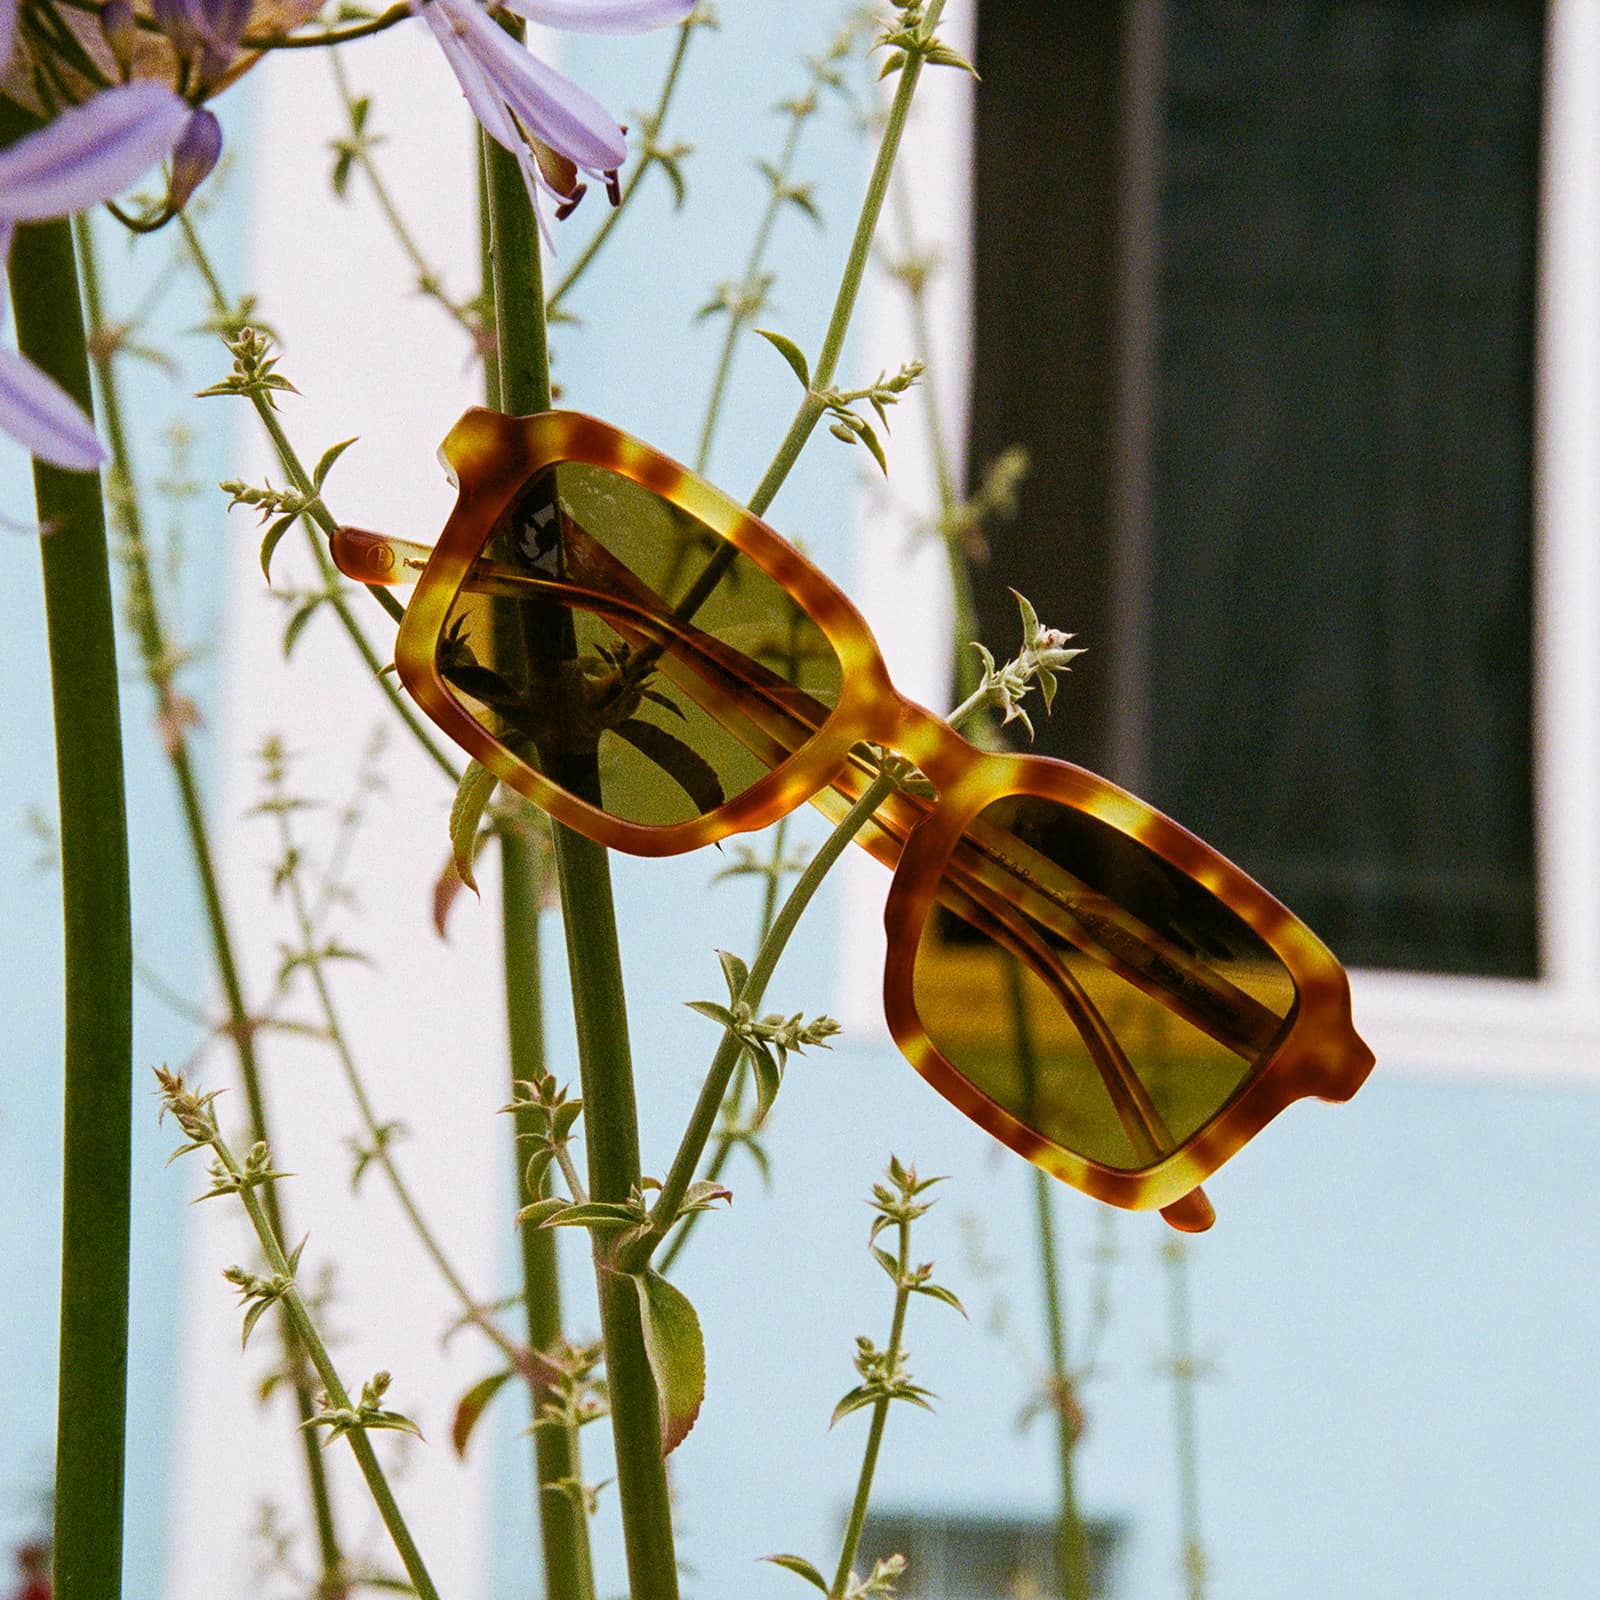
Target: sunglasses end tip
x,y
1193,1213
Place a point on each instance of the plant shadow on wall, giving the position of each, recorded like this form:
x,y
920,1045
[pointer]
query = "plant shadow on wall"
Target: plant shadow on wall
x,y
603,651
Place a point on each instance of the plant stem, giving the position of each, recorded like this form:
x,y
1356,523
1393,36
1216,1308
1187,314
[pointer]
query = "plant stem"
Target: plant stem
x,y
557,1453
647,159
337,1038
318,512
595,964
1072,1544
158,659
1185,1370
568,1565
880,1417
428,279
297,1313
812,407
963,603
97,944
702,1119
740,316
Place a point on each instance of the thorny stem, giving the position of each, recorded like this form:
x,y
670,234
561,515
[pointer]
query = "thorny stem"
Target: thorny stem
x,y
648,159
306,928
812,407
564,1527
158,659
739,317
557,1452
318,512
429,280
734,1101
1184,1373
963,604
295,1309
595,965
1072,1544
880,1418
98,1044
702,1120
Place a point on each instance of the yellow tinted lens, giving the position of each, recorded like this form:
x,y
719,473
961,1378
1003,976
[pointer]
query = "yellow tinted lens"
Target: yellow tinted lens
x,y
1106,1000
614,643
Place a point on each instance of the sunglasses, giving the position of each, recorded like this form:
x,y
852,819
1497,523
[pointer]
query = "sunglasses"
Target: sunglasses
x,y
657,669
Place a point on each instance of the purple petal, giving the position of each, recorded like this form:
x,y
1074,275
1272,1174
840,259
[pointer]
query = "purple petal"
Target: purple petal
x,y
90,152
602,16
551,107
481,97
196,154
35,409
8,29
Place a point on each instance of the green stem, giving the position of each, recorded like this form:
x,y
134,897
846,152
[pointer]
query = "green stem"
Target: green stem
x,y
739,318
96,1161
1072,1544
557,1452
306,1330
158,660
648,159
568,1565
812,408
305,926
963,602
1183,1381
317,512
702,1120
595,964
428,279
880,1417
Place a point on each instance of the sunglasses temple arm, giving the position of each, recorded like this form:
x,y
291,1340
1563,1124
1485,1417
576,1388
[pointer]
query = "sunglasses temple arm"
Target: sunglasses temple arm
x,y
1136,1111
376,558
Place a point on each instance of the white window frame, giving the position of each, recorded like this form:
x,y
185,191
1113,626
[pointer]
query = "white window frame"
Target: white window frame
x,y
1545,1028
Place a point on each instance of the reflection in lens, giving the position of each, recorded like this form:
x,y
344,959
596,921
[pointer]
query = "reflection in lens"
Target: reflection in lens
x,y
615,644
1091,989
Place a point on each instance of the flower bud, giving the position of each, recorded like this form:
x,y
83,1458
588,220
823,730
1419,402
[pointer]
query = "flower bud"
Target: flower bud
x,y
194,155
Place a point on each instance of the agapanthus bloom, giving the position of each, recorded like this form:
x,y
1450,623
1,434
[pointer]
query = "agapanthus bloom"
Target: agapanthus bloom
x,y
555,129
86,155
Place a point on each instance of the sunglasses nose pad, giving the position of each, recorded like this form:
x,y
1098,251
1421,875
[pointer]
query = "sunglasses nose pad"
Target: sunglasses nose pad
x,y
1192,1214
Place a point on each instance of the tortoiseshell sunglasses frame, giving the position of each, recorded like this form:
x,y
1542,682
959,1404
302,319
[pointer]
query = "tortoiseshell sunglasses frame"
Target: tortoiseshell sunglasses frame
x,y
491,456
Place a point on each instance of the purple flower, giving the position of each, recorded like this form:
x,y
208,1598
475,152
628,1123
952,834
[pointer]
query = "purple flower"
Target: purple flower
x,y
554,128
87,154
205,33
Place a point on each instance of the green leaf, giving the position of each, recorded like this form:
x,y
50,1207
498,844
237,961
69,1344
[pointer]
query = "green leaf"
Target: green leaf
x,y
542,1212
329,456
801,1568
854,1401
769,1079
870,440
735,971
472,1405
473,795
791,352
677,1352
257,1311
939,1292
271,541
685,766
709,1008
297,623
601,1214
885,1260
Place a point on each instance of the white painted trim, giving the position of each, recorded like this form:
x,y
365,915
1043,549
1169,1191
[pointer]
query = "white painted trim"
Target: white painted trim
x,y
1549,1029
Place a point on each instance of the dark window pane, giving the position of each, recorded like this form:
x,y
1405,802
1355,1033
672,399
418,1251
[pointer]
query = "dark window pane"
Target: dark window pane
x,y
1331,505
